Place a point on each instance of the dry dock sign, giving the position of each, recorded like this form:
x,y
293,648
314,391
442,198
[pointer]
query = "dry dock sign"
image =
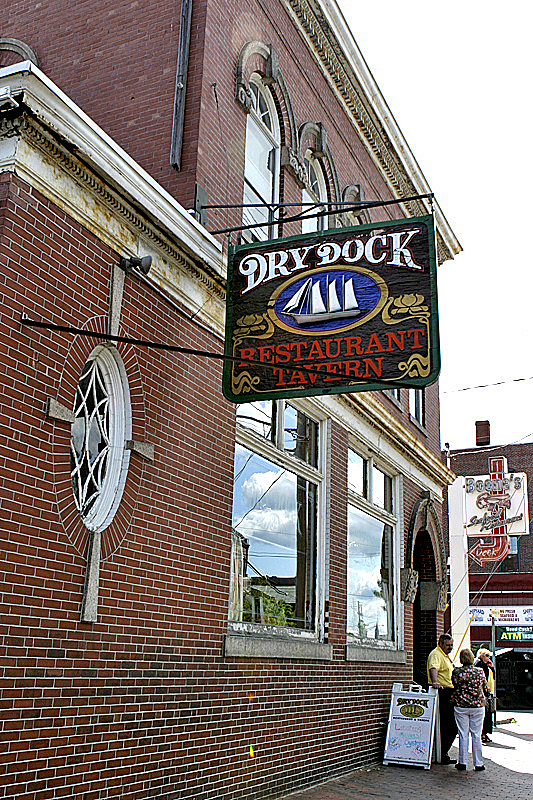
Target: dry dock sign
x,y
345,310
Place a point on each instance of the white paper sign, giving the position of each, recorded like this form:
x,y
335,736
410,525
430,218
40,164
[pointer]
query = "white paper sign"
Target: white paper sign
x,y
503,615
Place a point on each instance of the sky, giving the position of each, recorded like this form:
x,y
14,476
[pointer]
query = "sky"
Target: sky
x,y
457,78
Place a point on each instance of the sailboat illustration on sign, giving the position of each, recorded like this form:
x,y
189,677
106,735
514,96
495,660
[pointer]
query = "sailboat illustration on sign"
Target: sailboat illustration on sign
x,y
309,305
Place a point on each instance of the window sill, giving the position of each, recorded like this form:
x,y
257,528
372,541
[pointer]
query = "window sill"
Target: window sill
x,y
382,655
263,647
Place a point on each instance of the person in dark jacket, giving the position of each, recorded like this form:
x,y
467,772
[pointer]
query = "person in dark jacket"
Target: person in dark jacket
x,y
484,661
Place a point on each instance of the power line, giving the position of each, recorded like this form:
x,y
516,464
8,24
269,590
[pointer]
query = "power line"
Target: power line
x,y
486,385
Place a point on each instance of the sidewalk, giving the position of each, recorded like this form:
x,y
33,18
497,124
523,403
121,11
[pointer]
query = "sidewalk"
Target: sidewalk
x,y
508,775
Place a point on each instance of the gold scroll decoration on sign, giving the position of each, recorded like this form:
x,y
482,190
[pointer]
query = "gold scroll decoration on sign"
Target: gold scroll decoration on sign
x,y
256,326
402,309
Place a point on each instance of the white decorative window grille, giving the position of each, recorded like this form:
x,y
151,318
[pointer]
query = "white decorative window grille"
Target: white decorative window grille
x,y
98,458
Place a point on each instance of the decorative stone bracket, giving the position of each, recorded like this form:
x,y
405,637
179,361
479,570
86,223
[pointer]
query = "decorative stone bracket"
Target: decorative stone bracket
x,y
292,162
56,410
442,597
409,584
313,135
143,449
243,94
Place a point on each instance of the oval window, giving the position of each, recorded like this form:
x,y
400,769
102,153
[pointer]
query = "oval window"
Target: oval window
x,y
102,425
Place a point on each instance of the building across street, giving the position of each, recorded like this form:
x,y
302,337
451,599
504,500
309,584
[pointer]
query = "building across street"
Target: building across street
x,y
500,560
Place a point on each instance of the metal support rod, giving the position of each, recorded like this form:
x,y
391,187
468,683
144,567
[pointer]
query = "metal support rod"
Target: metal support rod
x,y
352,206
108,337
360,204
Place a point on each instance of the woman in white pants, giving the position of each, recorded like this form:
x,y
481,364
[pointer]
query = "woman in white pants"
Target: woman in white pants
x,y
469,698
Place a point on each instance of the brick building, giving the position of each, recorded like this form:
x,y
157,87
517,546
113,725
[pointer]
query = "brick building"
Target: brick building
x,y
506,584
199,600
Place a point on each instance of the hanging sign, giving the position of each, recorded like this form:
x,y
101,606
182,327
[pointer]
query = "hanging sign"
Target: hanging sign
x,y
494,503
337,311
515,633
411,727
495,508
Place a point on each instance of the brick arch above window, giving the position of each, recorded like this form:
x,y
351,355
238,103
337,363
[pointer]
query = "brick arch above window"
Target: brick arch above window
x,y
312,136
262,58
312,139
14,50
354,193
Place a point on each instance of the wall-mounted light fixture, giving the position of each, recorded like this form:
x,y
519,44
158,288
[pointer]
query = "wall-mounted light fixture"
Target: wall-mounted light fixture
x,y
144,264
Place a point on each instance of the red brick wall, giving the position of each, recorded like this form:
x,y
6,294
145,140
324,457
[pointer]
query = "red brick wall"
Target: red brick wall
x,y
338,537
222,136
429,433
142,703
118,62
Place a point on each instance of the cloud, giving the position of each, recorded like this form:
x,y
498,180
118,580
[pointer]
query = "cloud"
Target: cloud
x,y
269,490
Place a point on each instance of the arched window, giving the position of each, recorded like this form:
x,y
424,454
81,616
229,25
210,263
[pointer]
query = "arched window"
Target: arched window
x,y
261,164
98,456
316,193
355,194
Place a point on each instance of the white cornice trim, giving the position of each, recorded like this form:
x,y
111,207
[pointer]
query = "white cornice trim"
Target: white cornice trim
x,y
381,433
58,112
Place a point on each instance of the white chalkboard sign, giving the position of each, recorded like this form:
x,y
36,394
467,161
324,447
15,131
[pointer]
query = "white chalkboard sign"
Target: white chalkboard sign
x,y
411,728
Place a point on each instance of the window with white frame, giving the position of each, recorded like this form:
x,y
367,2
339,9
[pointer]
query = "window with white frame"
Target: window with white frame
x,y
417,405
102,425
275,533
372,525
395,394
314,193
261,162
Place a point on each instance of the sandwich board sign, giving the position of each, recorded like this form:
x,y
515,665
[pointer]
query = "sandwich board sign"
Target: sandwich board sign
x,y
411,728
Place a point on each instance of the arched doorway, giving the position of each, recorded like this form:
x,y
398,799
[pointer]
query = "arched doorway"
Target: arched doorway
x,y
425,582
424,606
